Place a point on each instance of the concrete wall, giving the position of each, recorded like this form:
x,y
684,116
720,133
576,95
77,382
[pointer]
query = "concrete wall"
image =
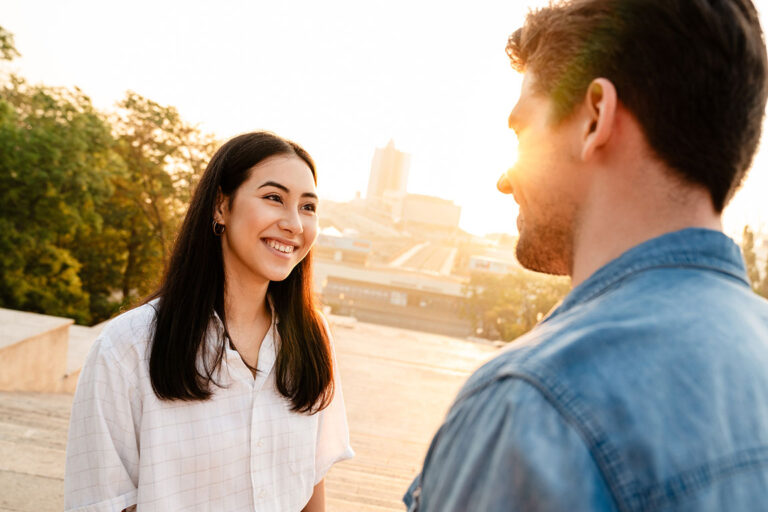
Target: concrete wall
x,y
37,363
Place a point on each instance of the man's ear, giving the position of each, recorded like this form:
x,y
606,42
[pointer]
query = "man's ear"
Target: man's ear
x,y
600,103
221,210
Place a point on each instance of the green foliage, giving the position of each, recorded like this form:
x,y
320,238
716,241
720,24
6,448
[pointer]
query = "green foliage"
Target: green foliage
x,y
7,47
164,157
54,169
89,204
750,259
505,307
762,289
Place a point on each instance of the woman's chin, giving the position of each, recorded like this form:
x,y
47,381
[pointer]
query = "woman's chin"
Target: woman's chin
x,y
278,274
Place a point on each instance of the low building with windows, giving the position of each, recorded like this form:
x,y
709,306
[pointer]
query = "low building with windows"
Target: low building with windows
x,y
492,265
342,249
410,300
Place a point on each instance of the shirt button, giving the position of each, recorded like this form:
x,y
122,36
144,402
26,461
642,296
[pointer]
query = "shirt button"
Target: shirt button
x,y
262,494
260,443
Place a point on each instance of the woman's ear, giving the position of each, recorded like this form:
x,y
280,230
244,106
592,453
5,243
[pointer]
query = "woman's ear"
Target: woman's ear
x,y
600,102
221,210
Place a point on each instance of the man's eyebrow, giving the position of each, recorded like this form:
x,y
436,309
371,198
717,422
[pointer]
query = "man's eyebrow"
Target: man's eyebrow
x,y
285,189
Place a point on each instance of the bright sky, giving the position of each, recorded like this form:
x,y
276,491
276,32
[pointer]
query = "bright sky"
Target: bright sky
x,y
341,77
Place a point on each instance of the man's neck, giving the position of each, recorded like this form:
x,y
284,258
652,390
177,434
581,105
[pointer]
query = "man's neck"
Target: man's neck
x,y
612,223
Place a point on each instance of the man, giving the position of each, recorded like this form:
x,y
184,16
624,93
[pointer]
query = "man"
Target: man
x,y
647,387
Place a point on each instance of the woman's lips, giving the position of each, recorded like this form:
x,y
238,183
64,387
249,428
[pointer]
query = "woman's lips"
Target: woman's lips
x,y
277,252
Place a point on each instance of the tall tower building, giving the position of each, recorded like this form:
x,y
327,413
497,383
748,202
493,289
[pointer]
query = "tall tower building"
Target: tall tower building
x,y
389,173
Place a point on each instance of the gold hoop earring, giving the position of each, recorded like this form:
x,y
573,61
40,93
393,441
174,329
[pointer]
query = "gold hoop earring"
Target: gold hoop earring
x,y
218,229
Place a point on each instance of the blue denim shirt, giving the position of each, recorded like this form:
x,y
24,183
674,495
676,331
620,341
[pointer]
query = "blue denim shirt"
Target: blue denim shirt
x,y
646,389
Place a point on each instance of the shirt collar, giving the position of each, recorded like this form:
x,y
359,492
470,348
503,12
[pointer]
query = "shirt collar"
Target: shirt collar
x,y
689,248
267,352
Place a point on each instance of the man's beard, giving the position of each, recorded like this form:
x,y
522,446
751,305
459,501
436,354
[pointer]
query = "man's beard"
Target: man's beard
x,y
547,246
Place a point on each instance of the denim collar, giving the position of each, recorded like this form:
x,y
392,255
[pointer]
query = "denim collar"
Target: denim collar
x,y
688,248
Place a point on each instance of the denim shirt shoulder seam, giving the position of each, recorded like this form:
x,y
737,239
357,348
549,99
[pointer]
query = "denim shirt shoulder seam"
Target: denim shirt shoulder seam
x,y
669,491
625,490
607,458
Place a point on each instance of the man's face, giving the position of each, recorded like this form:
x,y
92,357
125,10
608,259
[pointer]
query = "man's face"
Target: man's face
x,y
545,182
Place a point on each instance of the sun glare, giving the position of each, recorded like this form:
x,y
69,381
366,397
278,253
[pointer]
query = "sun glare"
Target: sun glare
x,y
436,81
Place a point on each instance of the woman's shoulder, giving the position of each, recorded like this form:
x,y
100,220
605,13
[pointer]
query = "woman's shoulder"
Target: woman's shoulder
x,y
326,322
127,335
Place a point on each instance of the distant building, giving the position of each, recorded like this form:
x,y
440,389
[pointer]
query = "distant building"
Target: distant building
x,y
410,300
492,265
430,211
342,249
392,203
389,172
428,258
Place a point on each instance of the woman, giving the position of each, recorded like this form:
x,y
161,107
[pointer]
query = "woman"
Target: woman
x,y
219,394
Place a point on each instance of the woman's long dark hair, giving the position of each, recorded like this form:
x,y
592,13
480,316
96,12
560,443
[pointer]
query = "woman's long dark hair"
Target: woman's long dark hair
x,y
193,288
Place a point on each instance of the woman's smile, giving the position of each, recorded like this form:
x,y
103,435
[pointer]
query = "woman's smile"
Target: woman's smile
x,y
279,248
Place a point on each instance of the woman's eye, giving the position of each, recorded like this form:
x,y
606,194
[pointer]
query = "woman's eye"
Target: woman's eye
x,y
274,197
310,207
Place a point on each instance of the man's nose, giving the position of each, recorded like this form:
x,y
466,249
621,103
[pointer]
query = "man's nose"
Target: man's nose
x,y
504,184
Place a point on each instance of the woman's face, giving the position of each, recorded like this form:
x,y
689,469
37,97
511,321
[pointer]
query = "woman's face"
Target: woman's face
x,y
272,221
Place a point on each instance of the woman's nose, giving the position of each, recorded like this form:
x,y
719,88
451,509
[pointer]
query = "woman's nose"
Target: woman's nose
x,y
290,222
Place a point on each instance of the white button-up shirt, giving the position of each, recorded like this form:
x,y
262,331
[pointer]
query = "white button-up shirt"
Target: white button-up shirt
x,y
241,450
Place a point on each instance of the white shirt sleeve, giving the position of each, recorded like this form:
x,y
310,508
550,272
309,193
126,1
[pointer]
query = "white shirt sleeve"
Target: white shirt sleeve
x,y
332,430
102,463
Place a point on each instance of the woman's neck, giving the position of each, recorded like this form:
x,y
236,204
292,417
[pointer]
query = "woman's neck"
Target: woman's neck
x,y
245,303
245,309
247,318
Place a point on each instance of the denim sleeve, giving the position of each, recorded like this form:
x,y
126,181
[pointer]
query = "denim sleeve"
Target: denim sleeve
x,y
507,448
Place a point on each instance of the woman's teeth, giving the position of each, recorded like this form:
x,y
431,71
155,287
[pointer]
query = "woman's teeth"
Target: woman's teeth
x,y
280,247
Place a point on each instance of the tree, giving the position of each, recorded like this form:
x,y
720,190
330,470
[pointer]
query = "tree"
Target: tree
x,y
89,204
763,288
164,157
505,307
750,259
55,167
7,47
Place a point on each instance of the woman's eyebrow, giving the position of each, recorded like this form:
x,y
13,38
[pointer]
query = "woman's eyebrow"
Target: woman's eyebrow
x,y
285,189
274,184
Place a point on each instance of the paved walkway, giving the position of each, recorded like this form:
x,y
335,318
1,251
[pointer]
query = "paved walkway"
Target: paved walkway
x,y
397,385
